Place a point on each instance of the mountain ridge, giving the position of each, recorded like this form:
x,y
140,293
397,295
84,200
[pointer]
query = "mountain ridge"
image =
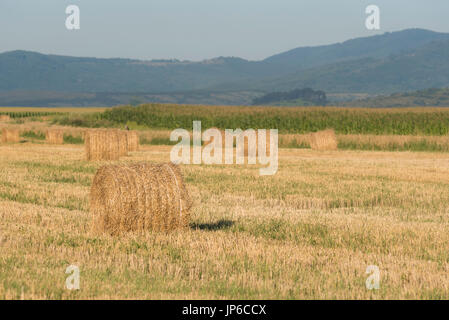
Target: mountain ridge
x,y
335,68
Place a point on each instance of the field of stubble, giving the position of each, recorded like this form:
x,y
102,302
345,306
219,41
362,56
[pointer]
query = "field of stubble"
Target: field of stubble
x,y
308,232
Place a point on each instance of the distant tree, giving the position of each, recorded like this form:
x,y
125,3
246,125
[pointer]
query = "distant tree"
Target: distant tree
x,y
307,95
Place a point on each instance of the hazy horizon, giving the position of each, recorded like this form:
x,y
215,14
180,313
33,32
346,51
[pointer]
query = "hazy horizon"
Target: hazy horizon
x,y
201,30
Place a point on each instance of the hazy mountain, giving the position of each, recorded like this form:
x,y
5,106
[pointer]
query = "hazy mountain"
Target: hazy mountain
x,y
399,61
22,70
424,67
379,46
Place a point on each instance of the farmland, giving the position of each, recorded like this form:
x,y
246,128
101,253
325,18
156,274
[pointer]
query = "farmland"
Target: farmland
x,y
308,232
432,121
299,120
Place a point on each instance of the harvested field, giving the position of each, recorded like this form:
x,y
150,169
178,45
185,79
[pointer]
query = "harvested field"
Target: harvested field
x,y
310,231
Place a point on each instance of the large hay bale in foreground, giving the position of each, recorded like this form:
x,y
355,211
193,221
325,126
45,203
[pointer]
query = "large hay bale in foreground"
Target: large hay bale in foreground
x,y
101,145
54,136
4,117
324,140
10,135
133,140
139,197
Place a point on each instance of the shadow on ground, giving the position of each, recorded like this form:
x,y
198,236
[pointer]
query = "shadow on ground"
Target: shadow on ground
x,y
215,226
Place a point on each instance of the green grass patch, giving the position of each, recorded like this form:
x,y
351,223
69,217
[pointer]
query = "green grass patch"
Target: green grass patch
x,y
33,135
69,139
421,145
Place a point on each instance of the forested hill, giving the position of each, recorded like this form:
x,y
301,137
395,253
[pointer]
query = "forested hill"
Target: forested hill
x,y
406,60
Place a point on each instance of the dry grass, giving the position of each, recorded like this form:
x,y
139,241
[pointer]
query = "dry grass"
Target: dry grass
x,y
323,140
54,136
37,126
4,117
358,142
139,197
386,142
308,232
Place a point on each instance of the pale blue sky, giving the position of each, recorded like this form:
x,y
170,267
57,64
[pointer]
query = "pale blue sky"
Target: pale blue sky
x,y
202,29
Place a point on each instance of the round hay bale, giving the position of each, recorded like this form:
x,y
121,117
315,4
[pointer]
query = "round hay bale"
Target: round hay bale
x,y
139,197
92,145
122,143
111,147
54,136
133,140
324,140
101,145
87,147
10,135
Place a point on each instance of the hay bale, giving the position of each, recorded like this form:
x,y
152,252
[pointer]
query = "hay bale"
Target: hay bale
x,y
324,140
54,136
4,117
87,146
122,137
111,147
139,197
101,145
10,135
133,140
